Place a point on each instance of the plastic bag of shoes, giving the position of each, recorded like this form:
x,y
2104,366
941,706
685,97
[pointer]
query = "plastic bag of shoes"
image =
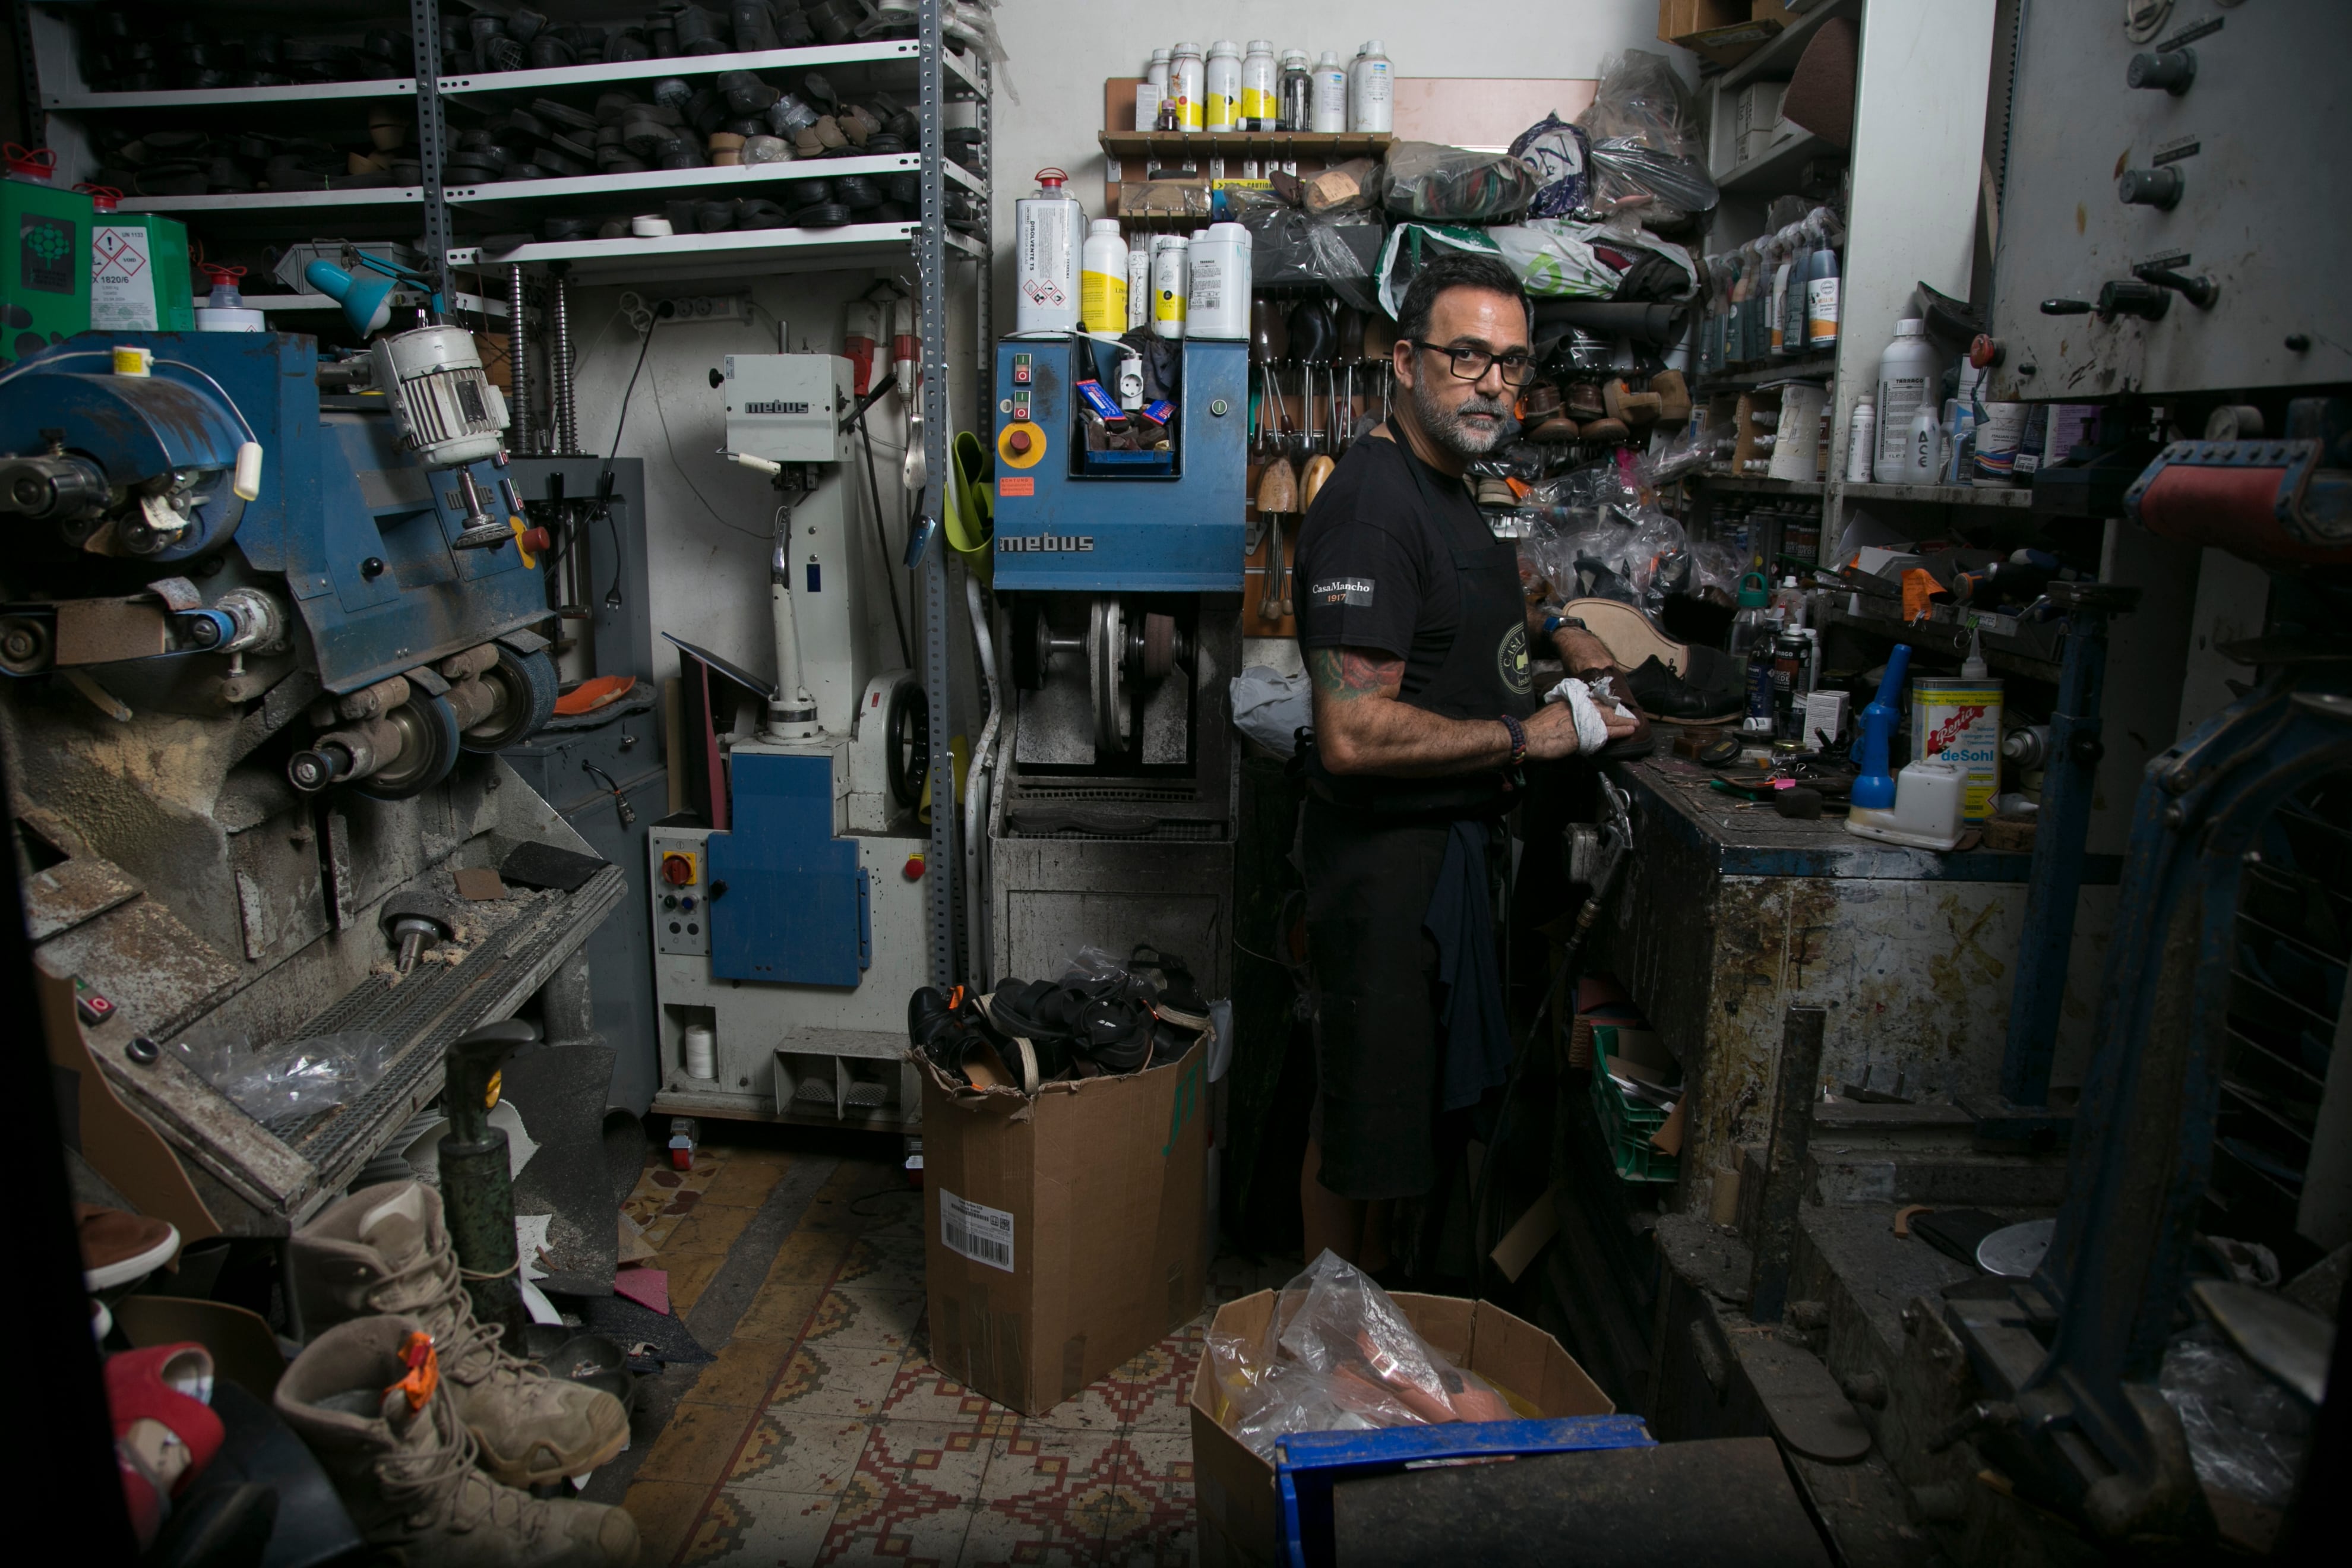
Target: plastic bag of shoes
x,y
384,1249
371,1399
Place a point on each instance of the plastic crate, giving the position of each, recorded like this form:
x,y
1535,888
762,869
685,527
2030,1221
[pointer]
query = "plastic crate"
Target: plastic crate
x,y
1627,1124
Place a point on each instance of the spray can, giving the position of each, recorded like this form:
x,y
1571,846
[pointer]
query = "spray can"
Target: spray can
x,y
1260,86
1045,228
1139,286
1171,260
1222,80
1861,440
1371,91
1330,94
1187,85
1102,280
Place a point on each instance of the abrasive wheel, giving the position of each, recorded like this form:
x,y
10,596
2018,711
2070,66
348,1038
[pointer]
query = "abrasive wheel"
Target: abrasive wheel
x,y
428,750
525,684
1105,671
906,723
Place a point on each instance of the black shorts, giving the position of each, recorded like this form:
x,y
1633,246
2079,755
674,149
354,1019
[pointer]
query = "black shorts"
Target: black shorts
x,y
1377,1055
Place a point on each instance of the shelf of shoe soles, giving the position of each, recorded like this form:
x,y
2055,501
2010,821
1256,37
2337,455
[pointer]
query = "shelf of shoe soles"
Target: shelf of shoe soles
x,y
681,180
555,78
730,253
399,299
228,97
264,201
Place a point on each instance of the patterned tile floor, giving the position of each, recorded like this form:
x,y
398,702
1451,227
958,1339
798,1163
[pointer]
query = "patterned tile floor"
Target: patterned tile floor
x,y
822,1434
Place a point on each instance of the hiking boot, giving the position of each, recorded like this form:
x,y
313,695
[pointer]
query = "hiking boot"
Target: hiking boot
x,y
368,1398
384,1249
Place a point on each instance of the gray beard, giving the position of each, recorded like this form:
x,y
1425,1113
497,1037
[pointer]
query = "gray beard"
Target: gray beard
x,y
1446,428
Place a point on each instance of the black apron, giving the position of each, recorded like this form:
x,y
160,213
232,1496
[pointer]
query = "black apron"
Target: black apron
x,y
1373,848
1486,674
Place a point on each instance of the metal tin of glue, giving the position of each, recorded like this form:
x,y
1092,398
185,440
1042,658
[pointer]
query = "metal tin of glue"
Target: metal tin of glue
x,y
1958,720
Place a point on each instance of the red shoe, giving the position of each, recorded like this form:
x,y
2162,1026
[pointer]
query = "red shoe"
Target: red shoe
x,y
165,1430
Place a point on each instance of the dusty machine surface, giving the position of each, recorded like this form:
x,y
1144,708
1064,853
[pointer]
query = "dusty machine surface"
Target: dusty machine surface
x,y
266,622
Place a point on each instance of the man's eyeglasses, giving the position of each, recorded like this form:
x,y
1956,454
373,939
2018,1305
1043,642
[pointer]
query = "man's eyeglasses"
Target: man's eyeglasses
x,y
1471,365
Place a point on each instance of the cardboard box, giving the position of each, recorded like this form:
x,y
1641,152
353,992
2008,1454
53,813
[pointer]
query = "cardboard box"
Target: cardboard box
x,y
1234,1489
1758,118
1678,18
1062,1235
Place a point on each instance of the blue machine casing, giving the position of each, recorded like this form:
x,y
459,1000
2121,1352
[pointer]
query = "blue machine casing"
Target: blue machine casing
x,y
797,906
1151,531
337,490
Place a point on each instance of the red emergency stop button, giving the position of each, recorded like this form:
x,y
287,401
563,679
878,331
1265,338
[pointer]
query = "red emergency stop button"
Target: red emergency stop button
x,y
678,871
538,541
1018,440
913,869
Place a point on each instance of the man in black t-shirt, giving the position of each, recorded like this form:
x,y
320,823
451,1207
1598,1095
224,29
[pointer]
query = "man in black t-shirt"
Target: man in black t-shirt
x,y
1416,634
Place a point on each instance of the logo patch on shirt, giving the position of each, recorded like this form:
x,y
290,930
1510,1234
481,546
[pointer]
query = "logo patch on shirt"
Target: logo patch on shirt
x,y
1511,661
1356,592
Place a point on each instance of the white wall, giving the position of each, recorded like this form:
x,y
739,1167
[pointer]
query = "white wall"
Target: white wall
x,y
1061,52
710,551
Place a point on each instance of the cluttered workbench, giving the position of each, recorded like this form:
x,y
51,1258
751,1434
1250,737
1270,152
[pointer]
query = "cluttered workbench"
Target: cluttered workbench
x,y
1731,913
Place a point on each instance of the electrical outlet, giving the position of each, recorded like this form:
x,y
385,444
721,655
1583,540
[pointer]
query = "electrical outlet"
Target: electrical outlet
x,y
644,312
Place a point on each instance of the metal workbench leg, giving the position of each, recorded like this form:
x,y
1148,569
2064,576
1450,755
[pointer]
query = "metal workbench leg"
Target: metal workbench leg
x,y
1784,1174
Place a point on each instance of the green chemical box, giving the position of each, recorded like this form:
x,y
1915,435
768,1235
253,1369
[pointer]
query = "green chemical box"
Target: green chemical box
x,y
138,278
1638,1134
44,267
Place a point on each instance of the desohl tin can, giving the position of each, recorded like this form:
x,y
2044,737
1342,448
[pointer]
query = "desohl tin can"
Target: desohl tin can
x,y
1958,720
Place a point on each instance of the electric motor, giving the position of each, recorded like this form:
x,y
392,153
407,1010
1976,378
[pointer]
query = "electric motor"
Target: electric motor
x,y
448,411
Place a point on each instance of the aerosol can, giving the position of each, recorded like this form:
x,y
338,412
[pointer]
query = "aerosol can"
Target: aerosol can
x,y
1048,227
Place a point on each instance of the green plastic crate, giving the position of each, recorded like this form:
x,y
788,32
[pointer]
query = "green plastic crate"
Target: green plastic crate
x,y
1627,1124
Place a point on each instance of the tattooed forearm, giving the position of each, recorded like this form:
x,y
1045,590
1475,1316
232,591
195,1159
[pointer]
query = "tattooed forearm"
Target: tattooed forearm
x,y
1348,673
1361,727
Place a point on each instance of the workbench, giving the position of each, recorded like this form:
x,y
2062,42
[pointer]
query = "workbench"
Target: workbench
x,y
1730,914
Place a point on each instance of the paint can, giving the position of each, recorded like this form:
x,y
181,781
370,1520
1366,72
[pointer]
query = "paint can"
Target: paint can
x,y
1958,720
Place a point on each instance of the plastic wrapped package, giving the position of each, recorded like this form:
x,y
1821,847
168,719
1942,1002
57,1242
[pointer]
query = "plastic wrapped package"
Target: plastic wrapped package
x,y
292,1085
1291,247
1562,258
1435,184
1411,247
1645,152
2247,1436
1338,1354
1556,151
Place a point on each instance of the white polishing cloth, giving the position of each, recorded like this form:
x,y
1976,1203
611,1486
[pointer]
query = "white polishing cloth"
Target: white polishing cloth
x,y
1591,730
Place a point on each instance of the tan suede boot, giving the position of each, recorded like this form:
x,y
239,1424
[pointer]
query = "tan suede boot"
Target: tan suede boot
x,y
384,1250
369,1399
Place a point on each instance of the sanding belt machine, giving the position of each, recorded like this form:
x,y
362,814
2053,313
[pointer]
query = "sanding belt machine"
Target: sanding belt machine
x,y
269,619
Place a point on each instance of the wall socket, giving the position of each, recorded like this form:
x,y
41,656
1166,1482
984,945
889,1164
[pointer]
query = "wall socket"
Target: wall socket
x,y
644,309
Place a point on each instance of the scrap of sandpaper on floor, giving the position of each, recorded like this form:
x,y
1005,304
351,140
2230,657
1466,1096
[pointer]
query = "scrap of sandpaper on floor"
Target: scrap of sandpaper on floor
x,y
649,1287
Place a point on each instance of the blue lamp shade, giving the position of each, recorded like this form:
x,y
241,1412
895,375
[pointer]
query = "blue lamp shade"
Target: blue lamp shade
x,y
366,301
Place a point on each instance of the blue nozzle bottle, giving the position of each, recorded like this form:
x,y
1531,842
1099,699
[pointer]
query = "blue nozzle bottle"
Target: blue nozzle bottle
x,y
1876,788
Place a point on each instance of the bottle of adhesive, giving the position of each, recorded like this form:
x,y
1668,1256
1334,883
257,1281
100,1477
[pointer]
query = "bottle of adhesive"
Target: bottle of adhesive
x,y
1330,94
1260,86
1753,619
1187,85
1861,440
1046,228
1222,79
1372,91
1217,285
1170,258
1793,305
1923,447
1102,280
1906,372
138,270
1151,92
1298,111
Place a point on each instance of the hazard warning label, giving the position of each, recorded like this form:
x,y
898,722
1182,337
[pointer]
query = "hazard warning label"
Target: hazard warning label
x,y
121,280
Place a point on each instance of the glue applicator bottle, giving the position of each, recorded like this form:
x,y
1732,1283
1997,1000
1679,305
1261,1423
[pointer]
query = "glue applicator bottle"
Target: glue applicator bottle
x,y
1876,787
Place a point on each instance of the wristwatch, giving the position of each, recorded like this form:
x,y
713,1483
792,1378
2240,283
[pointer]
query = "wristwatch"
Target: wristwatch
x,y
1554,623
1519,739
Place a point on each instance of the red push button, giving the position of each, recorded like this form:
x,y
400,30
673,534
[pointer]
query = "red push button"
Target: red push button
x,y
678,871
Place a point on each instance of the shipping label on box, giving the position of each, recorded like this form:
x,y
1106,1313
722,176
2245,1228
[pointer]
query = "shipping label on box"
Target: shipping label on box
x,y
976,1231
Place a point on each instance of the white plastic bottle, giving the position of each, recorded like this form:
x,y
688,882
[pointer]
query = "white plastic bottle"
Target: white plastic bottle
x,y
1102,280
1260,86
1861,440
1046,227
1186,85
1223,77
1170,262
1372,91
1151,92
1906,379
1331,93
1923,444
1217,286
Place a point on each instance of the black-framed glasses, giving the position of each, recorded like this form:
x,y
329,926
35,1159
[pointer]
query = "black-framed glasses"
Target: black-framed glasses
x,y
1471,365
